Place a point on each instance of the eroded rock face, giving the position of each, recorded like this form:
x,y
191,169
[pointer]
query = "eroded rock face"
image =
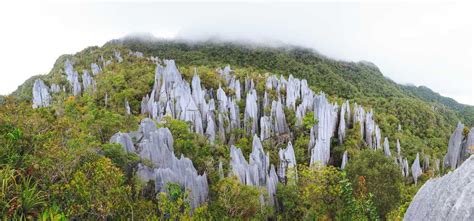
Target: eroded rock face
x,y
326,115
73,78
123,139
416,169
118,56
287,165
453,157
445,198
342,123
386,147
88,82
95,69
468,146
156,144
41,96
55,88
256,172
344,160
278,117
251,113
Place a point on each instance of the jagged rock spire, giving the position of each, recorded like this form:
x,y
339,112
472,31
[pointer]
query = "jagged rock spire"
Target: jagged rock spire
x,y
452,158
257,172
344,160
41,96
416,169
156,145
386,147
287,163
73,77
326,115
251,113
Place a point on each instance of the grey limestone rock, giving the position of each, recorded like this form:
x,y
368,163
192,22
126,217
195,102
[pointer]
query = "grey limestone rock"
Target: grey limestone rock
x,y
256,172
55,88
445,198
73,78
341,132
156,145
125,140
416,169
87,81
453,156
344,160
118,56
326,114
95,69
278,117
265,127
287,168
41,96
251,113
386,147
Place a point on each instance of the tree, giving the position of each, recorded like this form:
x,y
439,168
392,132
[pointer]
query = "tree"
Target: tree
x,y
236,200
382,178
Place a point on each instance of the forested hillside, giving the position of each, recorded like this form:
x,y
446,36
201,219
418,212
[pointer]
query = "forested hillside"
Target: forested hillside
x,y
110,133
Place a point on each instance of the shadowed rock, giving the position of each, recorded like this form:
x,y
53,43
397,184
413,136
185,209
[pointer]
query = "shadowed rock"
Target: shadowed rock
x,y
453,157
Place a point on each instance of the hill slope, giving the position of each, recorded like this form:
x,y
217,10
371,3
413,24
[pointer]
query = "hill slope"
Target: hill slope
x,y
62,152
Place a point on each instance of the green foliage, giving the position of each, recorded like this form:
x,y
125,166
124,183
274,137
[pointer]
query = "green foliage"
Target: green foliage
x,y
174,204
95,190
381,176
236,200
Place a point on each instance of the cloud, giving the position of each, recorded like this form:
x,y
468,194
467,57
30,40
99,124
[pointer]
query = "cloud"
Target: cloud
x,y
421,43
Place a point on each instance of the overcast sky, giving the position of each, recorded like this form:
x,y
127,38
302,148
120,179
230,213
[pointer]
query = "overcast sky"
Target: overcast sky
x,y
419,43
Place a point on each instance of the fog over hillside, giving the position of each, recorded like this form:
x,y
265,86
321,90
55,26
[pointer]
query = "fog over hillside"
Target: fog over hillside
x,y
429,48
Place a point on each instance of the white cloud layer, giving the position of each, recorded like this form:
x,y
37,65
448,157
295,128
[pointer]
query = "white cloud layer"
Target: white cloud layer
x,y
419,43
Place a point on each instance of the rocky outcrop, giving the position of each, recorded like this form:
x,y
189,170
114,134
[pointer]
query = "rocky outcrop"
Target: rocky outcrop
x,y
55,88
118,56
326,116
287,169
278,117
88,82
251,113
453,156
342,123
95,69
156,145
73,78
125,140
386,147
41,96
344,160
416,169
256,172
445,198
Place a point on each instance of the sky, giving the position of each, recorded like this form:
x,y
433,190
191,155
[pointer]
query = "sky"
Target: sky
x,y
421,43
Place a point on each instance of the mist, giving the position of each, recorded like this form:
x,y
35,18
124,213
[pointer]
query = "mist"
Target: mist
x,y
415,43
